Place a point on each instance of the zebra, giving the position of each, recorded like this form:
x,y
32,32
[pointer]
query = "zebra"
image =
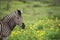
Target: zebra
x,y
8,23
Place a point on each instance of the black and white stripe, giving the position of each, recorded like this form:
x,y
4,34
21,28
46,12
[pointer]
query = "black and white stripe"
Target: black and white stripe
x,y
8,23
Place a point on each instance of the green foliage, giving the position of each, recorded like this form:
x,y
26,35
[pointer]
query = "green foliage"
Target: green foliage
x,y
34,33
40,24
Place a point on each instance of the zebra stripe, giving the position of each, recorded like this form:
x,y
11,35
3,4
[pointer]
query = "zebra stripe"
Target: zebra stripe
x,y
9,22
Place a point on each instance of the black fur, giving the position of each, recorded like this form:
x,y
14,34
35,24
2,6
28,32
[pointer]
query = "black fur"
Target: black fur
x,y
19,12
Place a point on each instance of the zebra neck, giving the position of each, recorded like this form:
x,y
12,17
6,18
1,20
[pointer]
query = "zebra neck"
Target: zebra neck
x,y
12,25
9,21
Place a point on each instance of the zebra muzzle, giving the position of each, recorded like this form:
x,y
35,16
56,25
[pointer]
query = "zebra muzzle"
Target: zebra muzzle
x,y
23,26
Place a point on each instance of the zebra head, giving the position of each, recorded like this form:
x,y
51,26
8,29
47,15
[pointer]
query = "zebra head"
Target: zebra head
x,y
18,19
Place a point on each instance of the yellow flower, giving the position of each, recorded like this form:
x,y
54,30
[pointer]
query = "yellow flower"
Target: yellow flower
x,y
51,28
31,28
42,33
40,21
12,34
38,31
15,33
58,24
57,19
19,32
36,23
48,20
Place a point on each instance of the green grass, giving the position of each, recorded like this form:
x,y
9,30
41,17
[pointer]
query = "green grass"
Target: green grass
x,y
31,16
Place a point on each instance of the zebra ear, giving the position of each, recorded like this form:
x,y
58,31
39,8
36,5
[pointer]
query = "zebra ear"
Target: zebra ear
x,y
19,12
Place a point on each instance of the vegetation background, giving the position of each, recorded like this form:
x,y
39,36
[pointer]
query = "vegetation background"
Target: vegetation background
x,y
41,17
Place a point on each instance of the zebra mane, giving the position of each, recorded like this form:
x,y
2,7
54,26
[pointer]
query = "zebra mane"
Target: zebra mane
x,y
9,20
8,17
19,12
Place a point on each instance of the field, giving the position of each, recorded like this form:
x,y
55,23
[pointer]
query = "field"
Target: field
x,y
41,20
